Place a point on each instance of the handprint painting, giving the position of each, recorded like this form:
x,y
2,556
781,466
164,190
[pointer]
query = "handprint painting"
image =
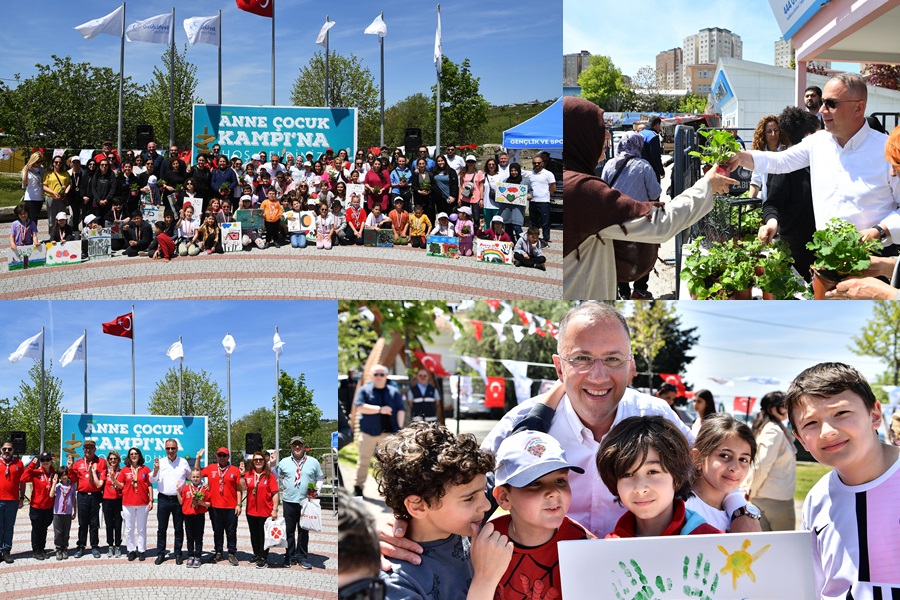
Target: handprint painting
x,y
727,566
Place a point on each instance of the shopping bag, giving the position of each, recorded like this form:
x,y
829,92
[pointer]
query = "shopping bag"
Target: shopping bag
x,y
311,516
275,537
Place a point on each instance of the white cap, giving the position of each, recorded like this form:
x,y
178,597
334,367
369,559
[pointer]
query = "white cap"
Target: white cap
x,y
152,180
442,215
62,216
89,219
255,157
246,197
497,219
471,157
465,209
307,164
527,456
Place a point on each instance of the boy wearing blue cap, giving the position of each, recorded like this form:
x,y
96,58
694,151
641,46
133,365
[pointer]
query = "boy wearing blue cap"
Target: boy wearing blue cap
x,y
532,483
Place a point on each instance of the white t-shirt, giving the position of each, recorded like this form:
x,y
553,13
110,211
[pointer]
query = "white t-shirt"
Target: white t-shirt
x,y
856,541
540,185
712,515
324,224
457,162
371,221
273,170
34,191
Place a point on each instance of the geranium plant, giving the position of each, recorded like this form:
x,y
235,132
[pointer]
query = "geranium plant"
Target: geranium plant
x,y
840,249
777,277
719,148
721,271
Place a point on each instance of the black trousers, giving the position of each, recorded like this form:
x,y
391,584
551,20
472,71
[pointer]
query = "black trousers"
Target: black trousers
x,y
41,519
529,262
165,506
89,518
112,515
193,527
258,535
224,523
299,550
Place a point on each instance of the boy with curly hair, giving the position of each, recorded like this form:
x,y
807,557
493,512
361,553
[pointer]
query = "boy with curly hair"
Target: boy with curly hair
x,y
436,480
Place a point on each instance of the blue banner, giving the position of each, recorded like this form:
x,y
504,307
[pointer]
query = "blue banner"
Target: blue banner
x,y
245,130
122,432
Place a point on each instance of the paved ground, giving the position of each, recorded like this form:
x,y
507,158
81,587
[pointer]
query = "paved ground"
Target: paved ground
x,y
117,578
342,272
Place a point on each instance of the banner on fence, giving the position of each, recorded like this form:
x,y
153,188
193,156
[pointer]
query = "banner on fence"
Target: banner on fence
x,y
231,237
439,245
494,251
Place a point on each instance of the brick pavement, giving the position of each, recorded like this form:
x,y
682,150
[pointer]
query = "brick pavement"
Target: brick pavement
x,y
342,272
88,577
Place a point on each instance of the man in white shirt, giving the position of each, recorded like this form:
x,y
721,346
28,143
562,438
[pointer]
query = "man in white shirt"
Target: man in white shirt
x,y
456,162
169,475
274,166
851,179
542,185
503,165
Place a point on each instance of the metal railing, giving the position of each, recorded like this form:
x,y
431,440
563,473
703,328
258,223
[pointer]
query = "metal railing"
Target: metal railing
x,y
685,173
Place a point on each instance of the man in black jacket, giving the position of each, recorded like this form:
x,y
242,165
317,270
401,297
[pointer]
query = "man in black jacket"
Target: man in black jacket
x,y
652,151
138,234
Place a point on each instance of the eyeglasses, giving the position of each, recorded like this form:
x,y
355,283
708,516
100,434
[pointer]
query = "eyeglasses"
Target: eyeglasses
x,y
379,374
831,103
370,588
104,164
583,364
537,164
7,449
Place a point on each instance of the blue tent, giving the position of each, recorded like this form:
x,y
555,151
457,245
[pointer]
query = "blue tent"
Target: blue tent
x,y
544,130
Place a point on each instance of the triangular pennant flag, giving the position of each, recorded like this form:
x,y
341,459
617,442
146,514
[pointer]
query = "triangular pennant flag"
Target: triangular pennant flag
x,y
506,314
493,304
522,315
479,327
499,329
532,328
518,333
456,332
479,364
516,367
523,388
721,380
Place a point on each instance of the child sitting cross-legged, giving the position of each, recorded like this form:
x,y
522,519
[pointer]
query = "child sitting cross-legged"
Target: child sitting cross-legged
x,y
646,464
436,481
399,223
419,227
532,483
527,251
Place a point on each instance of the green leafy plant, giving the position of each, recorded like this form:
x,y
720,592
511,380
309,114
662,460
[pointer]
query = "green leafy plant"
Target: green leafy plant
x,y
720,271
776,276
840,250
719,148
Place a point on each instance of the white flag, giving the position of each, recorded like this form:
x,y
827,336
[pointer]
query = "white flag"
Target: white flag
x,y
456,332
518,368
437,43
320,39
155,30
175,351
477,363
229,345
202,30
32,348
111,24
75,352
277,344
523,389
518,332
506,314
499,329
378,27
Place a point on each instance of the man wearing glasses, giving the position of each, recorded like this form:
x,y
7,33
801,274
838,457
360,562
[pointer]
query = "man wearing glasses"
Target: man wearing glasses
x,y
296,472
542,185
169,475
381,410
12,494
225,481
89,474
851,179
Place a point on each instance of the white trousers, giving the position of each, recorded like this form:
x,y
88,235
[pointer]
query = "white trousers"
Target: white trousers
x,y
135,519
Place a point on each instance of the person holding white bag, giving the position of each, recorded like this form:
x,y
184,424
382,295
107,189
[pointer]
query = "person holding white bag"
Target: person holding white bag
x,y
262,503
296,472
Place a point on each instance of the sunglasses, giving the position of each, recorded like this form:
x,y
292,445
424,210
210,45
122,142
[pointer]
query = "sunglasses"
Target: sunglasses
x,y
46,460
831,103
171,447
379,374
259,460
221,454
370,588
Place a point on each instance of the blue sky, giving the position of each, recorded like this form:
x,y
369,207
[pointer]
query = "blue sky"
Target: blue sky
x,y
308,329
515,50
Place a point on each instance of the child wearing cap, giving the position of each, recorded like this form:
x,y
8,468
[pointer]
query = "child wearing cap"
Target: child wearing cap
x,y
646,464
465,230
436,481
532,483
527,251
61,231
495,232
419,226
443,226
400,222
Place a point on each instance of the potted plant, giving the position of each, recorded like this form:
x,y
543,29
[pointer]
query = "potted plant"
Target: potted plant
x,y
311,490
775,276
719,148
840,251
224,189
725,270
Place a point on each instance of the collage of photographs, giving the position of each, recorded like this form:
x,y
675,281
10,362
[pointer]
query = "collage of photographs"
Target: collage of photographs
x,y
256,196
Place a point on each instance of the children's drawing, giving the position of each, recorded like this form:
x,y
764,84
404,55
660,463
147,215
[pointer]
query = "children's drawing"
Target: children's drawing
x,y
99,242
231,237
443,246
26,257
494,251
250,219
65,253
512,193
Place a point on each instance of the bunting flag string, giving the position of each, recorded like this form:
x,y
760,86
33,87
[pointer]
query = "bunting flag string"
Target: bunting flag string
x,y
479,327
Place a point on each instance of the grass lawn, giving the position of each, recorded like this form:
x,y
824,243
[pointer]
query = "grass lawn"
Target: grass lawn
x,y
10,190
807,475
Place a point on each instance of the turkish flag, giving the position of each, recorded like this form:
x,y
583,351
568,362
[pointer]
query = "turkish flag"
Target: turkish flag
x,y
431,362
263,8
495,392
121,326
744,404
674,380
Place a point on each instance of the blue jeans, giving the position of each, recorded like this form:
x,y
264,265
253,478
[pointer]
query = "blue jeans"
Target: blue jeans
x,y
540,217
8,510
298,240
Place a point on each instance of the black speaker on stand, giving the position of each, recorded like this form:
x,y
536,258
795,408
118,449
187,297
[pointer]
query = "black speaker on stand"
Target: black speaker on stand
x,y
253,443
412,139
18,442
144,136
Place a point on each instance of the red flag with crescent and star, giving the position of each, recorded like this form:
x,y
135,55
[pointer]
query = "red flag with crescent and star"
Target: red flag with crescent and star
x,y
744,404
121,326
495,392
674,380
431,362
263,8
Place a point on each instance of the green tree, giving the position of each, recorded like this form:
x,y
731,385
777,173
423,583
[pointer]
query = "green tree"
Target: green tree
x,y
647,323
25,410
672,355
464,111
155,109
416,110
356,337
693,104
261,420
298,413
68,105
202,396
880,338
601,81
350,85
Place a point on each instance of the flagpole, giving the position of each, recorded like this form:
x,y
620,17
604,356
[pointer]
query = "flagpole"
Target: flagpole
x,y
220,73
85,373
327,100
132,359
273,52
121,79
172,83
381,40
437,140
228,392
180,372
43,424
277,403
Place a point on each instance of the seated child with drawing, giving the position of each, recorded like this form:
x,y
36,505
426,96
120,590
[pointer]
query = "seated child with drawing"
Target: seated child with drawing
x,y
443,226
852,511
436,481
532,483
376,219
646,464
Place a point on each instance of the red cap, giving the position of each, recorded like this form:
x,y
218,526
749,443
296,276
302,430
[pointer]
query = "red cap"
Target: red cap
x,y
223,450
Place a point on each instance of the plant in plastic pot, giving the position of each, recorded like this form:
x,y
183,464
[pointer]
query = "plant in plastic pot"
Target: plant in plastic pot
x,y
719,148
775,276
840,251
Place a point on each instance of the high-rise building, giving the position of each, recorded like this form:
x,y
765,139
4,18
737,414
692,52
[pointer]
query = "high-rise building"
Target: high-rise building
x,y
785,53
708,46
573,65
698,78
669,69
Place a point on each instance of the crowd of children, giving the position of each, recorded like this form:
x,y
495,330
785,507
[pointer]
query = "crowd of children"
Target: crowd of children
x,y
436,480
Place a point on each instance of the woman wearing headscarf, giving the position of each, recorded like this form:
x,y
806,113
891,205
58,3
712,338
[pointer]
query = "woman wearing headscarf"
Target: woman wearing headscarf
x,y
599,214
634,177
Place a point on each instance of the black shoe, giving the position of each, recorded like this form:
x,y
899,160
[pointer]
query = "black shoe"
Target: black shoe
x,y
142,556
516,262
305,565
357,491
262,564
79,553
179,560
254,559
39,555
59,555
232,560
159,559
217,557
541,266
95,552
131,556
7,557
286,564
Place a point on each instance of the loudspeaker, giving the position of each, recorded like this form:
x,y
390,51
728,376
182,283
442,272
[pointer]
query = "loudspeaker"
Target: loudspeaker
x,y
254,443
144,136
18,442
411,142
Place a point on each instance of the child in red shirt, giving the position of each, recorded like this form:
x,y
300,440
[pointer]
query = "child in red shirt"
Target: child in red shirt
x,y
262,503
137,499
41,506
194,502
165,244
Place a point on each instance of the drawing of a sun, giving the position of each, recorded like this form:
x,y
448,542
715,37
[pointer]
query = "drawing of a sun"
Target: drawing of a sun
x,y
740,561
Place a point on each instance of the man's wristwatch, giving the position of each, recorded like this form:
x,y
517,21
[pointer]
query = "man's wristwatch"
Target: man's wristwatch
x,y
748,510
881,232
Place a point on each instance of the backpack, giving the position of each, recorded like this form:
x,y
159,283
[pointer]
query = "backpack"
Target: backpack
x,y
633,259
